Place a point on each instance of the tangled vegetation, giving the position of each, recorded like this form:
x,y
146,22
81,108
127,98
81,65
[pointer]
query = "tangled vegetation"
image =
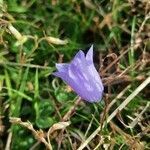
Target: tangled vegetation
x,y
39,111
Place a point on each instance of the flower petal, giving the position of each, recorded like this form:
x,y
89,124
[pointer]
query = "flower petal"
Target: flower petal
x,y
82,76
79,58
89,55
83,85
62,67
58,74
95,76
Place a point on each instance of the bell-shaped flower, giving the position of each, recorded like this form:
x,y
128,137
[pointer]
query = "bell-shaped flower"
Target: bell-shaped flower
x,y
82,76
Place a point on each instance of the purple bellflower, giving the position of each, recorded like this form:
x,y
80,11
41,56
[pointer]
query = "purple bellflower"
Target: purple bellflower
x,y
82,76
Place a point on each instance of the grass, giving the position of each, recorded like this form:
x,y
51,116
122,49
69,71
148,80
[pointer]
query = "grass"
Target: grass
x,y
38,110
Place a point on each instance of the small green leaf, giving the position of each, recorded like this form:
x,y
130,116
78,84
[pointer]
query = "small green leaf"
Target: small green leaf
x,y
44,110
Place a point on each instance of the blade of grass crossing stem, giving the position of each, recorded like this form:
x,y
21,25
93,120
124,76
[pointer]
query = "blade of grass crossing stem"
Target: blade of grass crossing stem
x,y
126,101
8,84
18,103
131,52
23,95
36,93
36,84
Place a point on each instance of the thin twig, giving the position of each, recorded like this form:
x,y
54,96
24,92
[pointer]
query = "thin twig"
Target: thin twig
x,y
8,141
71,110
25,65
